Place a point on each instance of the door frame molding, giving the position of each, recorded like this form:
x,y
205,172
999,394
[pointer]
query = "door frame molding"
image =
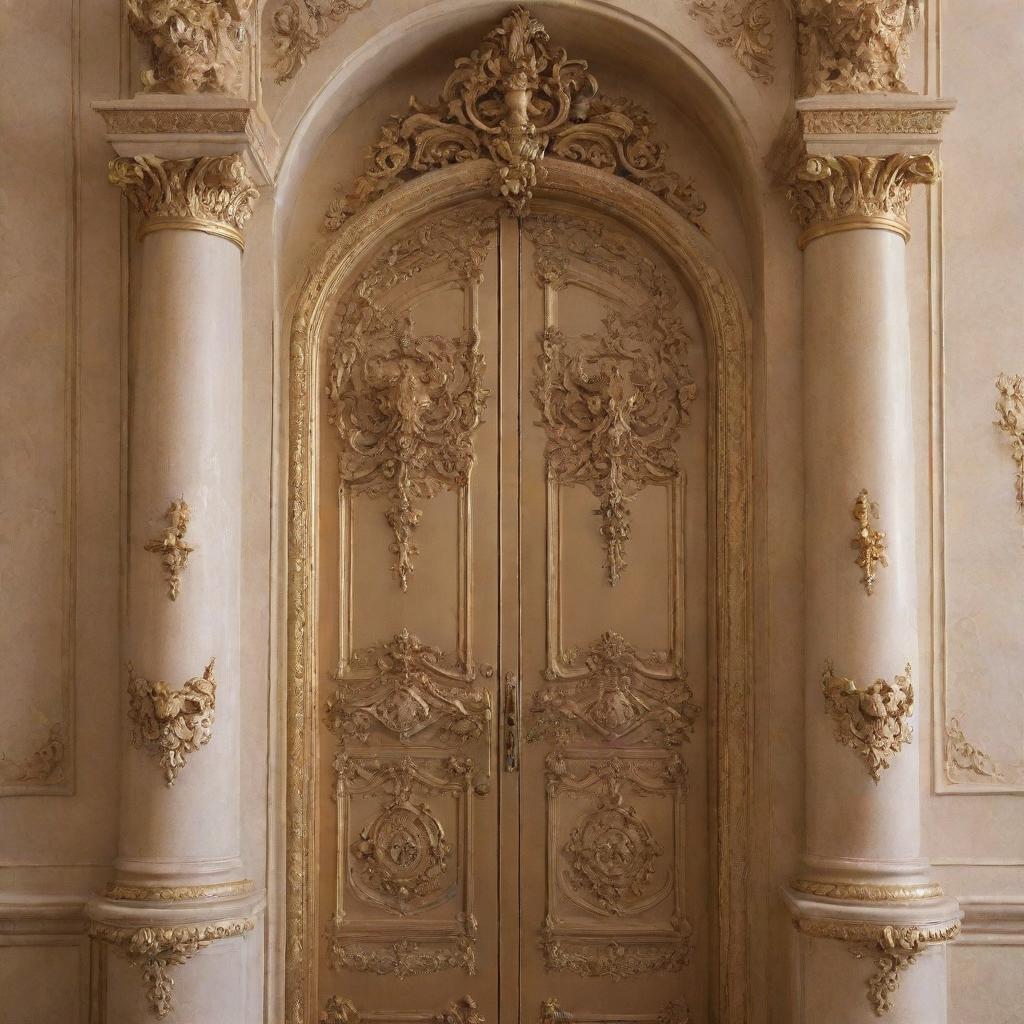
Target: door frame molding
x,y
728,333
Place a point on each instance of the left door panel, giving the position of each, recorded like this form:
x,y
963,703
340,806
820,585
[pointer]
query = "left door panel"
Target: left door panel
x,y
408,630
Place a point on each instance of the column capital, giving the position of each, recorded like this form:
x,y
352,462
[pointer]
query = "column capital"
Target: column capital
x,y
208,193
843,193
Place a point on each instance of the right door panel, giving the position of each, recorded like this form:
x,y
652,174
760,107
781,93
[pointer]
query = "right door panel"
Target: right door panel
x,y
614,883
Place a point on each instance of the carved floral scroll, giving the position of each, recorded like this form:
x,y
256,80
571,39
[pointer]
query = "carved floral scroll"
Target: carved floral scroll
x,y
869,542
171,546
746,27
1010,407
516,101
874,721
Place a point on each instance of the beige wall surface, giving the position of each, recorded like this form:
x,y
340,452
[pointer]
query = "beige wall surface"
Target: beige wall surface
x,y
66,248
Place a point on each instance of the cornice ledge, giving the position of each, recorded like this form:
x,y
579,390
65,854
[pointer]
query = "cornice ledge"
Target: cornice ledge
x,y
872,124
181,127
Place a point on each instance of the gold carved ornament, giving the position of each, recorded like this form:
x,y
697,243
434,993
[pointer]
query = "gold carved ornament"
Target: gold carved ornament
x,y
613,404
964,756
746,27
299,27
516,101
213,194
835,193
156,950
869,542
873,722
551,1012
405,406
618,695
459,1011
400,861
171,546
195,45
1010,407
854,46
172,723
893,948
412,688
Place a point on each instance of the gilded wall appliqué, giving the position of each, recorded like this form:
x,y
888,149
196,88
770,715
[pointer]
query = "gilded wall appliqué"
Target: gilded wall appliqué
x,y
172,547
172,723
873,721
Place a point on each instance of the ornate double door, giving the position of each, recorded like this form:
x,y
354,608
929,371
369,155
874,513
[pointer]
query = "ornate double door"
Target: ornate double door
x,y
512,575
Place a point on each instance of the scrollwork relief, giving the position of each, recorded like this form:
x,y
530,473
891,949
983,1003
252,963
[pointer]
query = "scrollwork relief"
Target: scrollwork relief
x,y
172,723
615,960
746,27
617,694
874,721
44,766
411,687
299,27
172,547
1010,407
460,1011
963,757
156,950
405,958
613,404
869,542
854,46
195,45
406,406
515,101
551,1012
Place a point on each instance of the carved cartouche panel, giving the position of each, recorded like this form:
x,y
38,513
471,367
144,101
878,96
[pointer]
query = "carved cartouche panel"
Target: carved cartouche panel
x,y
611,865
613,404
172,723
874,721
400,859
412,688
406,406
515,101
618,695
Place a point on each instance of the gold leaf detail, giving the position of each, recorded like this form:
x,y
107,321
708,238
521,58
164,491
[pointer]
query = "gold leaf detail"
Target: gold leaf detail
x,y
171,546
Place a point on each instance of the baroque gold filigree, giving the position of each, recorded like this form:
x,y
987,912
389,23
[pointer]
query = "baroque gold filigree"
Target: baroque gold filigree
x,y
618,694
177,893
1010,406
614,403
515,101
299,28
827,189
196,45
615,960
854,46
869,542
405,406
405,958
171,546
156,950
873,722
172,723
207,193
459,1011
746,27
412,687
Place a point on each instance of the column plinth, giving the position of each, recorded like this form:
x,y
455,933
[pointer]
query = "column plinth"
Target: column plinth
x,y
179,895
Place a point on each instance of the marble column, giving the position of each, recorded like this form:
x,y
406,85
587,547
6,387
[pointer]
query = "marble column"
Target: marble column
x,y
864,889
179,907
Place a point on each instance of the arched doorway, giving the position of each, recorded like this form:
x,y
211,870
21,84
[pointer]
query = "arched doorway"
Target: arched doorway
x,y
452,597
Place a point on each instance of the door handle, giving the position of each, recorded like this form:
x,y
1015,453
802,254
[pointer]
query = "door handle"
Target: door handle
x,y
511,720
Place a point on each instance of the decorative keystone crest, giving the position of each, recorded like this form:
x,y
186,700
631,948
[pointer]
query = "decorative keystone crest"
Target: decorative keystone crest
x,y
172,723
515,101
873,722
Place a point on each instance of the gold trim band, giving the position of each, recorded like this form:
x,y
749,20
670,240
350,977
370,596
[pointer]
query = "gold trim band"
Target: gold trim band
x,y
209,227
866,893
178,893
858,223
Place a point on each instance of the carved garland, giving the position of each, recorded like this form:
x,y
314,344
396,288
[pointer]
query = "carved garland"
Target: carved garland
x,y
172,723
1010,407
516,101
155,950
869,542
873,722
299,27
171,546
551,1012
459,1011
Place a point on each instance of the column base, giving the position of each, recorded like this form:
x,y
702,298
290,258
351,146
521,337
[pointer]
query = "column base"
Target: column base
x,y
178,960
861,959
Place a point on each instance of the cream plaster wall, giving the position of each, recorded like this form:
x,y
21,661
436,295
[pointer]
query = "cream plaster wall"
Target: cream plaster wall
x,y
66,253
